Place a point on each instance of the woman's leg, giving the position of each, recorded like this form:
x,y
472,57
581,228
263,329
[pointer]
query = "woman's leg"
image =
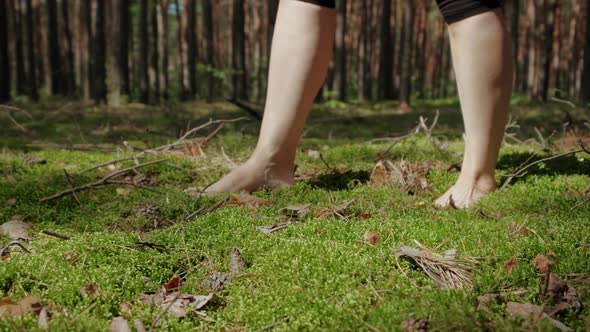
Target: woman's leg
x,y
482,59
301,53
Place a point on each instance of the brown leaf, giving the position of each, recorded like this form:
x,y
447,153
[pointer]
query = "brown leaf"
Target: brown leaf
x,y
178,304
125,308
119,324
534,313
414,325
173,284
563,294
542,263
296,211
272,228
92,291
17,228
236,261
216,282
379,175
365,215
336,211
10,309
11,202
371,238
511,264
243,198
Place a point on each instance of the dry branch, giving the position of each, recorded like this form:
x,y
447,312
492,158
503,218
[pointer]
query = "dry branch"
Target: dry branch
x,y
99,183
521,172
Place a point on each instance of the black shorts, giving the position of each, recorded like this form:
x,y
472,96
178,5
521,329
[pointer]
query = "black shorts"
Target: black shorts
x,y
452,10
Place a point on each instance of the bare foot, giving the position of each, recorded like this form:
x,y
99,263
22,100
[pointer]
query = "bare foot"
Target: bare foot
x,y
464,193
250,177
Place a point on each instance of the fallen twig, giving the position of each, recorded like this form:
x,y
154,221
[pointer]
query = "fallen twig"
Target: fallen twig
x,y
99,183
208,209
522,170
69,178
54,234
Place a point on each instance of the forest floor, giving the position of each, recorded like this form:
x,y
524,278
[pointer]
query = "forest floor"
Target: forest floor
x,y
141,244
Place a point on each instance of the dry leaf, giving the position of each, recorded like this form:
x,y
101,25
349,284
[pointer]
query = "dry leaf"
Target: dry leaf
x,y
379,176
533,312
10,309
511,264
313,154
410,177
542,263
173,284
11,202
216,282
177,304
563,294
272,228
371,238
92,291
119,324
243,198
336,211
125,308
236,261
17,228
296,211
414,325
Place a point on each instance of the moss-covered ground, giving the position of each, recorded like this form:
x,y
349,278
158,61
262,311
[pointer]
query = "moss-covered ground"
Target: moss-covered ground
x,y
316,274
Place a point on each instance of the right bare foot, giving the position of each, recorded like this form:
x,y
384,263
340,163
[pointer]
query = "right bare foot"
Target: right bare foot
x,y
251,176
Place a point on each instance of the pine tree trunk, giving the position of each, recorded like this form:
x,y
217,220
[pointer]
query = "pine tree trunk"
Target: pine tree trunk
x,y
32,67
340,75
118,38
154,55
405,86
180,40
123,55
585,89
54,49
69,78
210,47
18,48
239,79
385,67
550,9
191,39
163,28
4,59
143,66
99,54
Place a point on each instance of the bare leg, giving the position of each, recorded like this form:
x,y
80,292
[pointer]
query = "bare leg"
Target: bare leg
x,y
482,58
301,53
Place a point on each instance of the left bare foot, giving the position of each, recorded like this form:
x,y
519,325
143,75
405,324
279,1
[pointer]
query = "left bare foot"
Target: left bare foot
x,y
466,192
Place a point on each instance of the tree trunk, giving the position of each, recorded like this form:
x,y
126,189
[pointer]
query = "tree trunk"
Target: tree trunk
x,y
99,55
240,81
385,66
18,48
115,63
154,55
210,47
405,80
4,59
191,39
69,78
585,93
180,40
32,70
55,86
163,28
364,67
550,9
143,67
340,82
89,89
123,55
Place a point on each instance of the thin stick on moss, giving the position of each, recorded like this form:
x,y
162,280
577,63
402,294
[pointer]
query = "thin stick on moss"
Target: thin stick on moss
x,y
98,184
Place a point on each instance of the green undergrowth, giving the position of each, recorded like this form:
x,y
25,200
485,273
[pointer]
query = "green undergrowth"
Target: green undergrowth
x,y
316,274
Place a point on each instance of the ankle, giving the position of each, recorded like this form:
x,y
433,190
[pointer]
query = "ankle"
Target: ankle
x,y
484,181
